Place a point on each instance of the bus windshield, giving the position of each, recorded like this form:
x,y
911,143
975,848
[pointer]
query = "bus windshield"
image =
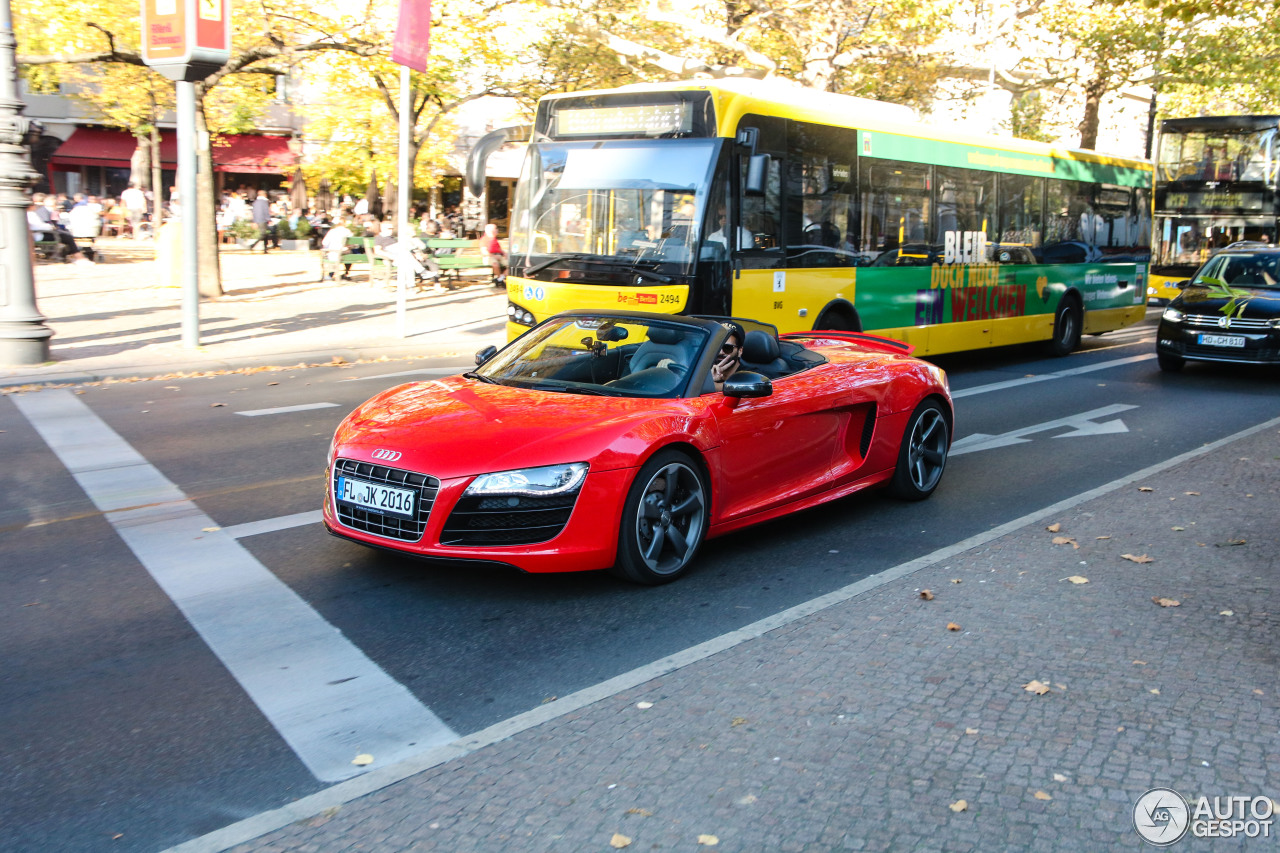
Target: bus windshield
x,y
636,203
1218,155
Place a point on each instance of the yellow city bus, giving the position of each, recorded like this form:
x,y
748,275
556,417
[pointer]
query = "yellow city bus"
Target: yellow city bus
x,y
810,210
1217,183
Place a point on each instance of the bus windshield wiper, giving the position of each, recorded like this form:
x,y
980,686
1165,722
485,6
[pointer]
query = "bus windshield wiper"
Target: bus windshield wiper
x,y
650,274
597,259
572,256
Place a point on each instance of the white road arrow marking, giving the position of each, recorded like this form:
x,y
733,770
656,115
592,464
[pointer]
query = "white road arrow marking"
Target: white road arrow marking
x,y
1081,424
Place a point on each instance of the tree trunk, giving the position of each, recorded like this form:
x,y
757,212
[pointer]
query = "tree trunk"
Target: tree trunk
x,y
157,176
157,171
1093,92
206,207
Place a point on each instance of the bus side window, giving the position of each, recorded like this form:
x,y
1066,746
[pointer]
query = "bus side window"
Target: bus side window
x,y
762,215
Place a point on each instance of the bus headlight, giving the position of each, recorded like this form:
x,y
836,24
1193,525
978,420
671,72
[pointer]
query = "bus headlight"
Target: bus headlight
x,y
1173,315
520,315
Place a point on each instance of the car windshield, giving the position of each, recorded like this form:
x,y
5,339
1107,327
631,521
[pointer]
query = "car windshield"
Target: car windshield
x,y
623,356
635,204
1241,270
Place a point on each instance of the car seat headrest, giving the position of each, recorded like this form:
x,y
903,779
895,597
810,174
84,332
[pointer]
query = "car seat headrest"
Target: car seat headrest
x,y
760,347
663,335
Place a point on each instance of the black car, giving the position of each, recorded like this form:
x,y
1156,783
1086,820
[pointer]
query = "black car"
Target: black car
x,y
1198,325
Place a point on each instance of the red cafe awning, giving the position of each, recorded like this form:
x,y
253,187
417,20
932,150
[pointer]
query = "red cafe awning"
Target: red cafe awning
x,y
91,146
249,153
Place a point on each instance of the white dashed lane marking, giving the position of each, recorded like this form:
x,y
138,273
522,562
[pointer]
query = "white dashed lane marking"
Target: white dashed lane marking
x,y
280,410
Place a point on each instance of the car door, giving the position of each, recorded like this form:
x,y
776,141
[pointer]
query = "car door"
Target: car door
x,y
779,448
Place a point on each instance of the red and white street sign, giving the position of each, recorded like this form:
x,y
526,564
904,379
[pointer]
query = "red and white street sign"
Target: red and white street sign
x,y
186,39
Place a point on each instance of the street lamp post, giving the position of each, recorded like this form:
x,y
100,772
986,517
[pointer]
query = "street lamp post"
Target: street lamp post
x,y
24,338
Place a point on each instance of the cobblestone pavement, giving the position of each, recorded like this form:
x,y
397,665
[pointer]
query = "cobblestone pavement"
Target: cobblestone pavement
x,y
890,722
121,318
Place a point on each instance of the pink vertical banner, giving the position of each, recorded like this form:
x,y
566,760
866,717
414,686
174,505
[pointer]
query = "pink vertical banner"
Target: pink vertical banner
x,y
413,34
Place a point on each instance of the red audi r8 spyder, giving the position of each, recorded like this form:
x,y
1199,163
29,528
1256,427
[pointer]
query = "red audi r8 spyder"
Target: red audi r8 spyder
x,y
604,440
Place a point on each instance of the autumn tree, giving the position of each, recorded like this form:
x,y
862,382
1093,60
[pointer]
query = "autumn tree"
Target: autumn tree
x,y
357,117
267,35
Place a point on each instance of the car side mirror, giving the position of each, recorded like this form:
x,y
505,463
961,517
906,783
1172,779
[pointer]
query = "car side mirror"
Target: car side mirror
x,y
757,175
485,354
747,384
1181,285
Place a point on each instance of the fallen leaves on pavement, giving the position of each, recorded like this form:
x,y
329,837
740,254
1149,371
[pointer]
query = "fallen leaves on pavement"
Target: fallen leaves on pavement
x,y
959,806
1066,540
1041,795
1137,558
1036,687
709,840
951,626
1054,528
619,841
926,595
1077,579
1166,602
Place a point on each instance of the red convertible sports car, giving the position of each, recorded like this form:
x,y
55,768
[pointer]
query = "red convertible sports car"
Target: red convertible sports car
x,y
603,439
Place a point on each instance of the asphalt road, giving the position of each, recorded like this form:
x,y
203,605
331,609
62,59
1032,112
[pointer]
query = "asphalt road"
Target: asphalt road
x,y
128,732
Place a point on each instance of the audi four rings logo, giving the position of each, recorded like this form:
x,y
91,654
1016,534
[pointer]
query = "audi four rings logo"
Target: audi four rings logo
x,y
387,455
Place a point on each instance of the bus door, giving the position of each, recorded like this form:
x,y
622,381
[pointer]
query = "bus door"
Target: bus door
x,y
759,262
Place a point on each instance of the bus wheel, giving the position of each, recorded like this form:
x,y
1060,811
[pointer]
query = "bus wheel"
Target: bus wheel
x,y
1169,362
1067,325
836,320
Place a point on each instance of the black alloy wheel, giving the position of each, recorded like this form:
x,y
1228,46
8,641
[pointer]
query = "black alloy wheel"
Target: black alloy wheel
x,y
923,455
663,521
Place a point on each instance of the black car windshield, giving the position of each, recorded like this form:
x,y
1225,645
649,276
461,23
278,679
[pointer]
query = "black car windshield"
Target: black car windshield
x,y
624,356
1241,269
631,203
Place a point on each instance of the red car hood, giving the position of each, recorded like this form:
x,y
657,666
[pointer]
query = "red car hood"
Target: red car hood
x,y
457,427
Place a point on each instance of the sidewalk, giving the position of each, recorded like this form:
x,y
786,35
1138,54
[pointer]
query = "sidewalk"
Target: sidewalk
x,y
117,319
873,719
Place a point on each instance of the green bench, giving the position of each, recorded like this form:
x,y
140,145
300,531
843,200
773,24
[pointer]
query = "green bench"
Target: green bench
x,y
50,250
355,259
460,256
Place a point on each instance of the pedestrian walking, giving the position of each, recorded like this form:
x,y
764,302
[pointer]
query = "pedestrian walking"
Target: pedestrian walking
x,y
262,218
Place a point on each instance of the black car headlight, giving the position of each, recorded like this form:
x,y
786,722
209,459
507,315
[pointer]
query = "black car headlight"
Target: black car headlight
x,y
531,482
1173,315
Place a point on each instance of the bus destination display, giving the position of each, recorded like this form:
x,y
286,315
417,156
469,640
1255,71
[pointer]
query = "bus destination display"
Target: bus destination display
x,y
638,120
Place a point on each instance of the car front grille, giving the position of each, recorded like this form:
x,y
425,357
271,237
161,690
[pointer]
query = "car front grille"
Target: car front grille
x,y
1238,324
385,524
1230,353
507,520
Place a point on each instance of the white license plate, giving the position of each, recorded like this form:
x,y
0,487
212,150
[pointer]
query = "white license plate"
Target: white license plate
x,y
1221,341
376,496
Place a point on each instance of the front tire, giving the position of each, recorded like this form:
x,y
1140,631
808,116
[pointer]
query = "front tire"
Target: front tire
x,y
1067,326
663,521
923,455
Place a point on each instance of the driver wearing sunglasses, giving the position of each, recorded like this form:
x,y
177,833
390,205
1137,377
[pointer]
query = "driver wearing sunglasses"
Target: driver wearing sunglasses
x,y
730,356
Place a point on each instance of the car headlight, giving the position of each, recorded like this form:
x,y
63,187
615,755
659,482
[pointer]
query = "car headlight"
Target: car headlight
x,y
533,482
1173,315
